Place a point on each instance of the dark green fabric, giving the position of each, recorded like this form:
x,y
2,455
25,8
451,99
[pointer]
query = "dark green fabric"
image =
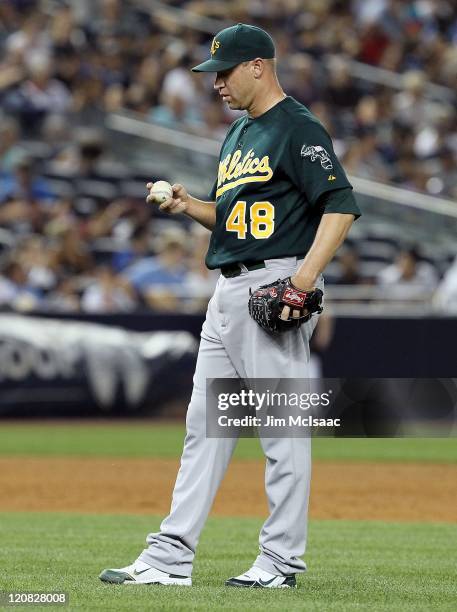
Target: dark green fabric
x,y
235,45
340,201
296,166
234,270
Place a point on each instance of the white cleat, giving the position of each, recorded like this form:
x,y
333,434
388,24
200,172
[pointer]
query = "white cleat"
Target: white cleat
x,y
256,578
141,573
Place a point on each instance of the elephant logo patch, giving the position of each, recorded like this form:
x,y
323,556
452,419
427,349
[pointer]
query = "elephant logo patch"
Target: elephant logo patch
x,y
317,152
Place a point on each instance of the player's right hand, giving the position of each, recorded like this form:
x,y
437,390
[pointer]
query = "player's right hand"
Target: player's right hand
x,y
176,204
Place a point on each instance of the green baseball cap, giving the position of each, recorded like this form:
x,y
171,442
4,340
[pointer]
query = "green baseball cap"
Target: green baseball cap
x,y
237,44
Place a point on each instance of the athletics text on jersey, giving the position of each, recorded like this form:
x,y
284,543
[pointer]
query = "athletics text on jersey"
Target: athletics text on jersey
x,y
272,171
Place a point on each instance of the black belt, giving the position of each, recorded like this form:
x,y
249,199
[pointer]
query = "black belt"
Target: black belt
x,y
235,269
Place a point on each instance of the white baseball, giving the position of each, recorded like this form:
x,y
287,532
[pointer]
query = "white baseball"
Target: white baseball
x,y
161,191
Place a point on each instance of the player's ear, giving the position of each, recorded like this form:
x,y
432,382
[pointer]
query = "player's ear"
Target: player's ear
x,y
258,67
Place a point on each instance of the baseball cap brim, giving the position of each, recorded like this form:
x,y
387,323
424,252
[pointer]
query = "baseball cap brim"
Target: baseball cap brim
x,y
214,65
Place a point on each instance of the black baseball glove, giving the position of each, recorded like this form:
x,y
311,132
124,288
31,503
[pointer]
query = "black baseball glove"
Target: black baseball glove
x,y
267,302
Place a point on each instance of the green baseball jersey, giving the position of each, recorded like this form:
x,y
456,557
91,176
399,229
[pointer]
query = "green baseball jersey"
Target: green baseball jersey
x,y
272,171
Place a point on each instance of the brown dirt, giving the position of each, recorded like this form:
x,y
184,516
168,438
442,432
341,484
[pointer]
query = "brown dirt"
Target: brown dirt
x,y
340,490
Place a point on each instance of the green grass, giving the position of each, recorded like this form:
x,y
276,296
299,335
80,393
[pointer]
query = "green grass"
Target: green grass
x,y
369,566
148,439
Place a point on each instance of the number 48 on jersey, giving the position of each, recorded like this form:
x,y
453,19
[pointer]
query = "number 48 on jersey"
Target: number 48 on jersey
x,y
262,220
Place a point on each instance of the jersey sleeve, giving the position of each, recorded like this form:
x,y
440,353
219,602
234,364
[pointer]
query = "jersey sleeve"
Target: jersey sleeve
x,y
340,201
313,166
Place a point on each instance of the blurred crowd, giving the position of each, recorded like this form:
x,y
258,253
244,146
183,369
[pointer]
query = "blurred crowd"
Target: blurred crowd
x,y
75,233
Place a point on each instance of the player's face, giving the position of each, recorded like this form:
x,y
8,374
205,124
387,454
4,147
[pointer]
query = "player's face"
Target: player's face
x,y
234,86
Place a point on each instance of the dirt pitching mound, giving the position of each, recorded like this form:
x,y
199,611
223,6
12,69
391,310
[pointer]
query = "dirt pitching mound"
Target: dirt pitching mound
x,y
340,490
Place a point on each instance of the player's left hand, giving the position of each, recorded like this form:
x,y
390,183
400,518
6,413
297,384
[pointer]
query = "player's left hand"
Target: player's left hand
x,y
296,314
269,304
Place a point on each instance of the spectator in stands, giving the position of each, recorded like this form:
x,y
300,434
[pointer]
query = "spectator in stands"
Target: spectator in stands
x,y
103,223
17,217
30,40
411,106
212,121
8,286
447,173
148,79
301,78
83,156
24,184
59,218
178,81
108,293
36,260
409,277
445,298
64,32
15,291
40,95
349,268
88,96
71,254
11,151
68,65
340,88
374,44
175,113
64,297
363,157
134,250
160,279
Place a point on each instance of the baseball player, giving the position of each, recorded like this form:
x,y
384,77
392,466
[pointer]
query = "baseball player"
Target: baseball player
x,y
280,208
